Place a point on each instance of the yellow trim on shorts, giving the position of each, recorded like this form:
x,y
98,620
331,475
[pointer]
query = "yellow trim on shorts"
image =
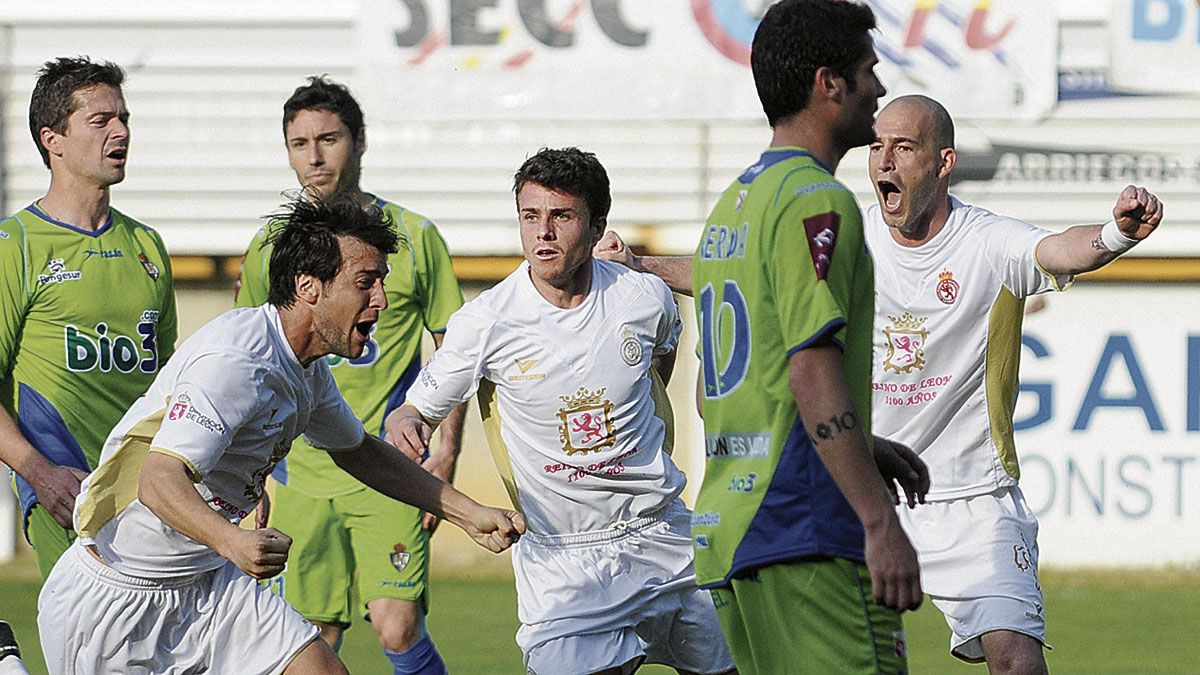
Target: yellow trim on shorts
x,y
490,412
1001,365
114,484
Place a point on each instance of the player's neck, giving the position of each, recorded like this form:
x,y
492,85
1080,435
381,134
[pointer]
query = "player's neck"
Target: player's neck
x,y
925,229
75,203
297,323
569,294
803,132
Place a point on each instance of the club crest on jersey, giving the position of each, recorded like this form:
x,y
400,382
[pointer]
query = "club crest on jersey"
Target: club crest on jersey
x,y
149,266
399,557
58,273
822,231
585,422
947,288
631,348
906,338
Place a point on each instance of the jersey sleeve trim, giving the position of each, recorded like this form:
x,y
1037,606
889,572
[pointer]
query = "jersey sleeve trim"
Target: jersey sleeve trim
x,y
826,331
193,472
1059,282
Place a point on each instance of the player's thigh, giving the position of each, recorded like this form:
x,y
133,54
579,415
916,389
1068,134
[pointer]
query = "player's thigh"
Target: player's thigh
x,y
318,578
390,548
49,539
813,617
616,651
317,658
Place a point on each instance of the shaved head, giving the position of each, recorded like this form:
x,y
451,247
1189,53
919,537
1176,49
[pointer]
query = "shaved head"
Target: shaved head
x,y
931,113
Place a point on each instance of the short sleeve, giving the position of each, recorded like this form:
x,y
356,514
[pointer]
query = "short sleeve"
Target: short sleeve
x,y
167,331
810,260
453,375
670,326
1013,244
14,295
254,281
333,425
442,295
214,396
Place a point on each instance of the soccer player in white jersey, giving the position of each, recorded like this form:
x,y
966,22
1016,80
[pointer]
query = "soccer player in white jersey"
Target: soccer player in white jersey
x,y
950,282
162,579
568,355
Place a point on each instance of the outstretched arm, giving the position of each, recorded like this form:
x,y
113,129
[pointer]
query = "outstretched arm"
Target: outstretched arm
x,y
1084,248
391,472
675,270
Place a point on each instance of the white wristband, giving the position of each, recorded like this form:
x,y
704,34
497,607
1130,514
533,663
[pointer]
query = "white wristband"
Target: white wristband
x,y
1114,239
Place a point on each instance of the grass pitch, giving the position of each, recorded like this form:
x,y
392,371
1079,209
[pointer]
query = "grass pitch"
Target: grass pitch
x,y
1131,622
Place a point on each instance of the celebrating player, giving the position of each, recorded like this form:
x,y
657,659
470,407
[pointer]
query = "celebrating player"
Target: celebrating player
x,y
87,307
951,284
567,354
162,577
343,532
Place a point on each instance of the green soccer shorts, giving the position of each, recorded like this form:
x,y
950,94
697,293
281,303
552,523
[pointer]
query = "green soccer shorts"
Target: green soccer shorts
x,y
810,617
334,537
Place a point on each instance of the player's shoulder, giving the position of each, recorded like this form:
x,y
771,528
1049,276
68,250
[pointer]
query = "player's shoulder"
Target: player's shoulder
x,y
620,278
122,219
969,219
12,232
405,219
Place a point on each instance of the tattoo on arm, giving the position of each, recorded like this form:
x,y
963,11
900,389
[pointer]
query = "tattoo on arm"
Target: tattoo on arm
x,y
1098,244
835,425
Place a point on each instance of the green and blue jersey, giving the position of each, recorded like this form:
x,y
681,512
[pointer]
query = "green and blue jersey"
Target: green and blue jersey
x,y
86,321
781,265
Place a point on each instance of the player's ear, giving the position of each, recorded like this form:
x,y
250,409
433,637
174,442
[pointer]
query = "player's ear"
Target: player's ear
x,y
308,288
828,84
49,140
599,225
948,159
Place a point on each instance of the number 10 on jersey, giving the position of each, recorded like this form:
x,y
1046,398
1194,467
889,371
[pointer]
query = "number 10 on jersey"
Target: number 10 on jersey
x,y
724,339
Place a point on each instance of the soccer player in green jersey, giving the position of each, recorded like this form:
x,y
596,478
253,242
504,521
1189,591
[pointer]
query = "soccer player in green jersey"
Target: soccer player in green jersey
x,y
87,307
794,527
339,525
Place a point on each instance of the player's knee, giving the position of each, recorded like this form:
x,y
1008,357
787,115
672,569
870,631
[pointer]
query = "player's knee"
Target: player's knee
x,y
1020,655
397,624
331,633
316,658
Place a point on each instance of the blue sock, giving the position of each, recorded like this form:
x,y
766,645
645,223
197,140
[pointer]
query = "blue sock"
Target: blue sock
x,y
420,659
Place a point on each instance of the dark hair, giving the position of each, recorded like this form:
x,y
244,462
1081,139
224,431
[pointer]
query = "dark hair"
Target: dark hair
x,y
53,98
794,39
322,94
572,171
305,234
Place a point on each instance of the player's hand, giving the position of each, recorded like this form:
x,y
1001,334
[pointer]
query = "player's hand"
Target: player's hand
x,y
613,249
56,488
1137,212
440,464
408,434
899,464
262,512
494,529
260,553
892,562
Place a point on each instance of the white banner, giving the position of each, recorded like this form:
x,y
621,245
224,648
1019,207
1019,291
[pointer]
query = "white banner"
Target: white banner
x,y
1154,46
654,59
1109,425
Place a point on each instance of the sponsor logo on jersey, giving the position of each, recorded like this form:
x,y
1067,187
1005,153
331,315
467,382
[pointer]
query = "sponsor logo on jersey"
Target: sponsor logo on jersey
x,y
3,234
947,288
104,254
112,351
254,491
399,557
906,339
742,483
149,266
523,368
179,408
741,200
706,519
272,426
701,541
585,422
631,348
58,273
737,446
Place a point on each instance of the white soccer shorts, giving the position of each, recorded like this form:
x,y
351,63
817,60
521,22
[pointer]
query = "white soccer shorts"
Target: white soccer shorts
x,y
94,620
598,600
979,565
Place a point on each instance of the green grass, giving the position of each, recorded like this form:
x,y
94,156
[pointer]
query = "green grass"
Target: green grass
x,y
1100,622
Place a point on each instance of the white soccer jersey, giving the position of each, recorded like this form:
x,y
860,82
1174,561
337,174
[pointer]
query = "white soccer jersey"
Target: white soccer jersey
x,y
947,343
566,397
229,403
